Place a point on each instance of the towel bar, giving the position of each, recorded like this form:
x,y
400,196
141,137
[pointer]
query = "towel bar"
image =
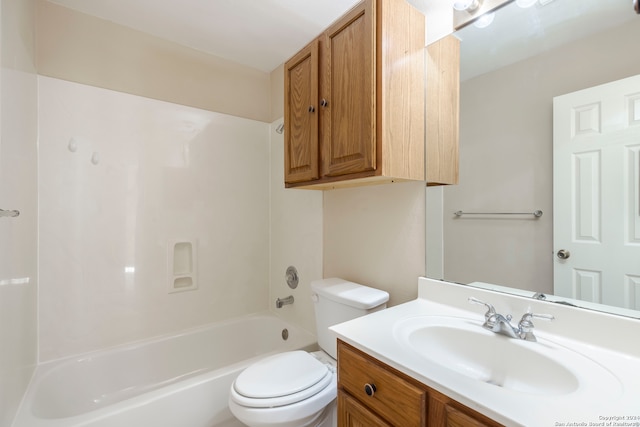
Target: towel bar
x,y
537,213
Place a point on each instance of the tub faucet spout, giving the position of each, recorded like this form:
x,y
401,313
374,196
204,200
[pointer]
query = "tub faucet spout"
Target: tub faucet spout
x,y
284,301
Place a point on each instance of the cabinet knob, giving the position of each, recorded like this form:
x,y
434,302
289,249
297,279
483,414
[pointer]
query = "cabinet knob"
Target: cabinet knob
x,y
312,108
324,102
370,389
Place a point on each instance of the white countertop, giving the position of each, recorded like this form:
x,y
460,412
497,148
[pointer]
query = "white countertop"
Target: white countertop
x,y
611,341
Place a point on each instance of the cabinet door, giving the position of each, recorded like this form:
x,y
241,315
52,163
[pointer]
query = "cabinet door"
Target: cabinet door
x,y
446,412
348,87
456,418
352,414
301,116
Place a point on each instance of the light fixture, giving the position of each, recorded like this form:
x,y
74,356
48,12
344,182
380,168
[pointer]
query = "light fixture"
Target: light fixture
x,y
485,20
478,12
526,3
466,5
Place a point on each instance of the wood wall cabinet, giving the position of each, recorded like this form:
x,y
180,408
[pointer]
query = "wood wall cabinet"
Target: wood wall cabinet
x,y
443,111
355,100
371,393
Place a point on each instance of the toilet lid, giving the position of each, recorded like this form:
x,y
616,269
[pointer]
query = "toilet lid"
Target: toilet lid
x,y
281,375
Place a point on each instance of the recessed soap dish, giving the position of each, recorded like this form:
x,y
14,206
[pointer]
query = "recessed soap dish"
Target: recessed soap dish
x,y
182,256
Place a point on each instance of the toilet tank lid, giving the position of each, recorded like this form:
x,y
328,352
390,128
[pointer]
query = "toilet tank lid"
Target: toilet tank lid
x,y
349,293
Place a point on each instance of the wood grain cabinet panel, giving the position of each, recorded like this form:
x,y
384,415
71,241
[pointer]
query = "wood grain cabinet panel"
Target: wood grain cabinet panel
x,y
348,119
443,111
301,116
354,414
446,412
394,398
398,400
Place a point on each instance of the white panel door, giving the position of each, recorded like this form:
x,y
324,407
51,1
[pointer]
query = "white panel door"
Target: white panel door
x,y
596,166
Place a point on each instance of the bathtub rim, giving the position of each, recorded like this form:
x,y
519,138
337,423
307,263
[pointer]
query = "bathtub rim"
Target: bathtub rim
x,y
136,343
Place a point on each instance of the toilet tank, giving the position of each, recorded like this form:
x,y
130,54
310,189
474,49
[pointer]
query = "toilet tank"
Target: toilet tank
x,y
336,301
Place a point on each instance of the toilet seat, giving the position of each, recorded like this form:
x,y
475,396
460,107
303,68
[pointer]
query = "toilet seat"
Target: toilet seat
x,y
280,380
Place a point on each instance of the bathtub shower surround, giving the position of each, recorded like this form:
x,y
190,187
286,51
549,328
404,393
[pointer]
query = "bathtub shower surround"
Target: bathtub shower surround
x,y
18,191
18,236
121,178
180,380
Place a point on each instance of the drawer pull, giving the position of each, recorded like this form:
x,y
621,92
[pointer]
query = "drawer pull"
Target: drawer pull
x,y
370,389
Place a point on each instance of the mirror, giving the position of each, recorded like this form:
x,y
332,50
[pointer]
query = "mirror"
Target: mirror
x,y
510,73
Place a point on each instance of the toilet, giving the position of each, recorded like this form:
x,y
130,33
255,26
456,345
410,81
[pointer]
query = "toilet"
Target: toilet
x,y
299,388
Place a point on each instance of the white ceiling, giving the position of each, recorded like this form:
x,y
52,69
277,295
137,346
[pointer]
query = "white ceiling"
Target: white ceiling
x,y
258,33
264,33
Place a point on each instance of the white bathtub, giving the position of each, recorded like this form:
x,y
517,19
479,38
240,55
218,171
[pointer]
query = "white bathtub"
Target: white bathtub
x,y
176,381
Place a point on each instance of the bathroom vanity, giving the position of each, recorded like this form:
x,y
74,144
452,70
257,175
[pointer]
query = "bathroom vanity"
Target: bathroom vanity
x,y
430,362
371,392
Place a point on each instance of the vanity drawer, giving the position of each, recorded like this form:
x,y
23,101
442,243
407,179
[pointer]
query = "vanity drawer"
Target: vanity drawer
x,y
396,398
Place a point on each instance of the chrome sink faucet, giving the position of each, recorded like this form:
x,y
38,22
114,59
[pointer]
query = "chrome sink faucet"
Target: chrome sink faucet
x,y
502,324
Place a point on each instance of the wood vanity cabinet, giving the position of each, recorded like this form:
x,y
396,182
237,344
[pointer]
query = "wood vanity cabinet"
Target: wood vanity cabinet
x,y
355,100
371,393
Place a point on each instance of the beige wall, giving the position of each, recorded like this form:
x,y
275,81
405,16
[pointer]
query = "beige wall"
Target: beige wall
x,y
277,93
18,177
84,49
506,159
376,236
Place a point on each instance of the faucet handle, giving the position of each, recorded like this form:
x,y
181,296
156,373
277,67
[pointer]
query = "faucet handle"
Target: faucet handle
x,y
526,325
526,318
490,310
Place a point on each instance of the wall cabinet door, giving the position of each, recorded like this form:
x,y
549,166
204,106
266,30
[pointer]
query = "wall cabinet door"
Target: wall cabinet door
x,y
301,116
348,94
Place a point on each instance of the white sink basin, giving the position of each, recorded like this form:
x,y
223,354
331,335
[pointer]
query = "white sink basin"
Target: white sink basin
x,y
463,346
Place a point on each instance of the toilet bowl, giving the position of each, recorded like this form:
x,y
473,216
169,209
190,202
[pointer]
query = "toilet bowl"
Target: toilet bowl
x,y
291,389
298,388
